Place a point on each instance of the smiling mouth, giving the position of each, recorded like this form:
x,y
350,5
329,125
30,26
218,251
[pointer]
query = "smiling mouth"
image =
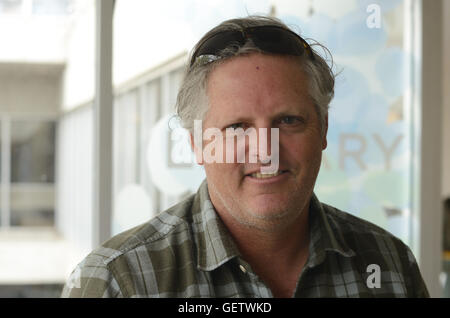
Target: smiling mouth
x,y
258,175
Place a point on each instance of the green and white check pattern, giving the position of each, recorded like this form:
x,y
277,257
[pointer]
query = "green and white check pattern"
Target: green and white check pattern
x,y
186,251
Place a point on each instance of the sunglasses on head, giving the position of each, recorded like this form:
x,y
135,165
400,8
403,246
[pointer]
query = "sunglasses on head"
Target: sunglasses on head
x,y
271,39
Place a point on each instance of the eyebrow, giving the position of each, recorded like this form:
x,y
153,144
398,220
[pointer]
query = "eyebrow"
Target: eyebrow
x,y
241,119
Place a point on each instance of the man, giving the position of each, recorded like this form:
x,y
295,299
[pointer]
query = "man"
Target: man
x,y
250,232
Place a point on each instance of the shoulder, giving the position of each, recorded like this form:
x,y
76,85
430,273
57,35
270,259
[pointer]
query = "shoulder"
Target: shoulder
x,y
103,272
165,224
374,245
361,235
349,223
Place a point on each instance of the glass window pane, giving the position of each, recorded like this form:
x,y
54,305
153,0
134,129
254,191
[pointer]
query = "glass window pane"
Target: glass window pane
x,y
367,166
32,152
52,7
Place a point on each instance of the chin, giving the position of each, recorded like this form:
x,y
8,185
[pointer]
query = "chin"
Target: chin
x,y
279,204
269,210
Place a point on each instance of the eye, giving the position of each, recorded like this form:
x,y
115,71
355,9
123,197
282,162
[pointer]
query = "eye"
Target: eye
x,y
236,126
291,120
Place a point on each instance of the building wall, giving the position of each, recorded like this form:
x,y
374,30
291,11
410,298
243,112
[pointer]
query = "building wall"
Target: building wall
x,y
30,88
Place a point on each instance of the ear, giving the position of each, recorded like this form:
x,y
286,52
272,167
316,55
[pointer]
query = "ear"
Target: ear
x,y
324,134
198,151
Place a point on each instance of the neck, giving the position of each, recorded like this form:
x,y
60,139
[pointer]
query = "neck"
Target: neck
x,y
284,247
277,256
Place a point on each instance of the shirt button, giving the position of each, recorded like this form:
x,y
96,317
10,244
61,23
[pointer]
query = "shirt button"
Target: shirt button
x,y
243,269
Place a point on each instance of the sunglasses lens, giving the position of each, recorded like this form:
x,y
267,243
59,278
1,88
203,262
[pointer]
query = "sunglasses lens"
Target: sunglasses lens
x,y
271,39
218,42
276,40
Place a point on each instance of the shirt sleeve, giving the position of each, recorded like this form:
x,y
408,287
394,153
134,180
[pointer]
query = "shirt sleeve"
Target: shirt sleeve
x,y
91,279
418,288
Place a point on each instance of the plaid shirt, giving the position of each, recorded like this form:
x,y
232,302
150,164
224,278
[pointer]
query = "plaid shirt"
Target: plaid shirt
x,y
186,251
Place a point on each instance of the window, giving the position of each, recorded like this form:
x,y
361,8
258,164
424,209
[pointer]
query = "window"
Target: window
x,y
32,152
33,65
28,181
367,165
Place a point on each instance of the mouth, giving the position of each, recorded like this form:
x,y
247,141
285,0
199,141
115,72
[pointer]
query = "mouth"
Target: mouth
x,y
258,175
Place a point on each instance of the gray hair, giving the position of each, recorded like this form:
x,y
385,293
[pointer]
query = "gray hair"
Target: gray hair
x,y
192,99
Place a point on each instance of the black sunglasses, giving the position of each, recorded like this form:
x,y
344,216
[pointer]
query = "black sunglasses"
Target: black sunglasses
x,y
272,39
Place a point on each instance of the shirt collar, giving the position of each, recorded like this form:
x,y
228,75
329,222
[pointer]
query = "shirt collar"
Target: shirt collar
x,y
215,246
325,236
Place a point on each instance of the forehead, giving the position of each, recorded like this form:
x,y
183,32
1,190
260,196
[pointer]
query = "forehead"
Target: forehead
x,y
257,80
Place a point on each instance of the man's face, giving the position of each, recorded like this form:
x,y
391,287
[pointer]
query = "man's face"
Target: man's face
x,y
264,91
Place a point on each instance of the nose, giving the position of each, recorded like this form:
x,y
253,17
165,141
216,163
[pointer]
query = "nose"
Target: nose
x,y
264,145
261,152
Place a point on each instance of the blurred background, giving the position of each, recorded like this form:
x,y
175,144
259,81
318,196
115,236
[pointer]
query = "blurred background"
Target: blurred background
x,y
388,158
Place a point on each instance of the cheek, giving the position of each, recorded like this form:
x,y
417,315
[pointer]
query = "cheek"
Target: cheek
x,y
222,173
300,149
214,169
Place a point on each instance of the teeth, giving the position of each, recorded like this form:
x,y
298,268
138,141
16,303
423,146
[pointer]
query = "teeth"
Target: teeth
x,y
265,175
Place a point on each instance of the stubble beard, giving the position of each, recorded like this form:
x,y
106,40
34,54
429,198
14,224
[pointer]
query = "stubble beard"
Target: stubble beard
x,y
266,222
